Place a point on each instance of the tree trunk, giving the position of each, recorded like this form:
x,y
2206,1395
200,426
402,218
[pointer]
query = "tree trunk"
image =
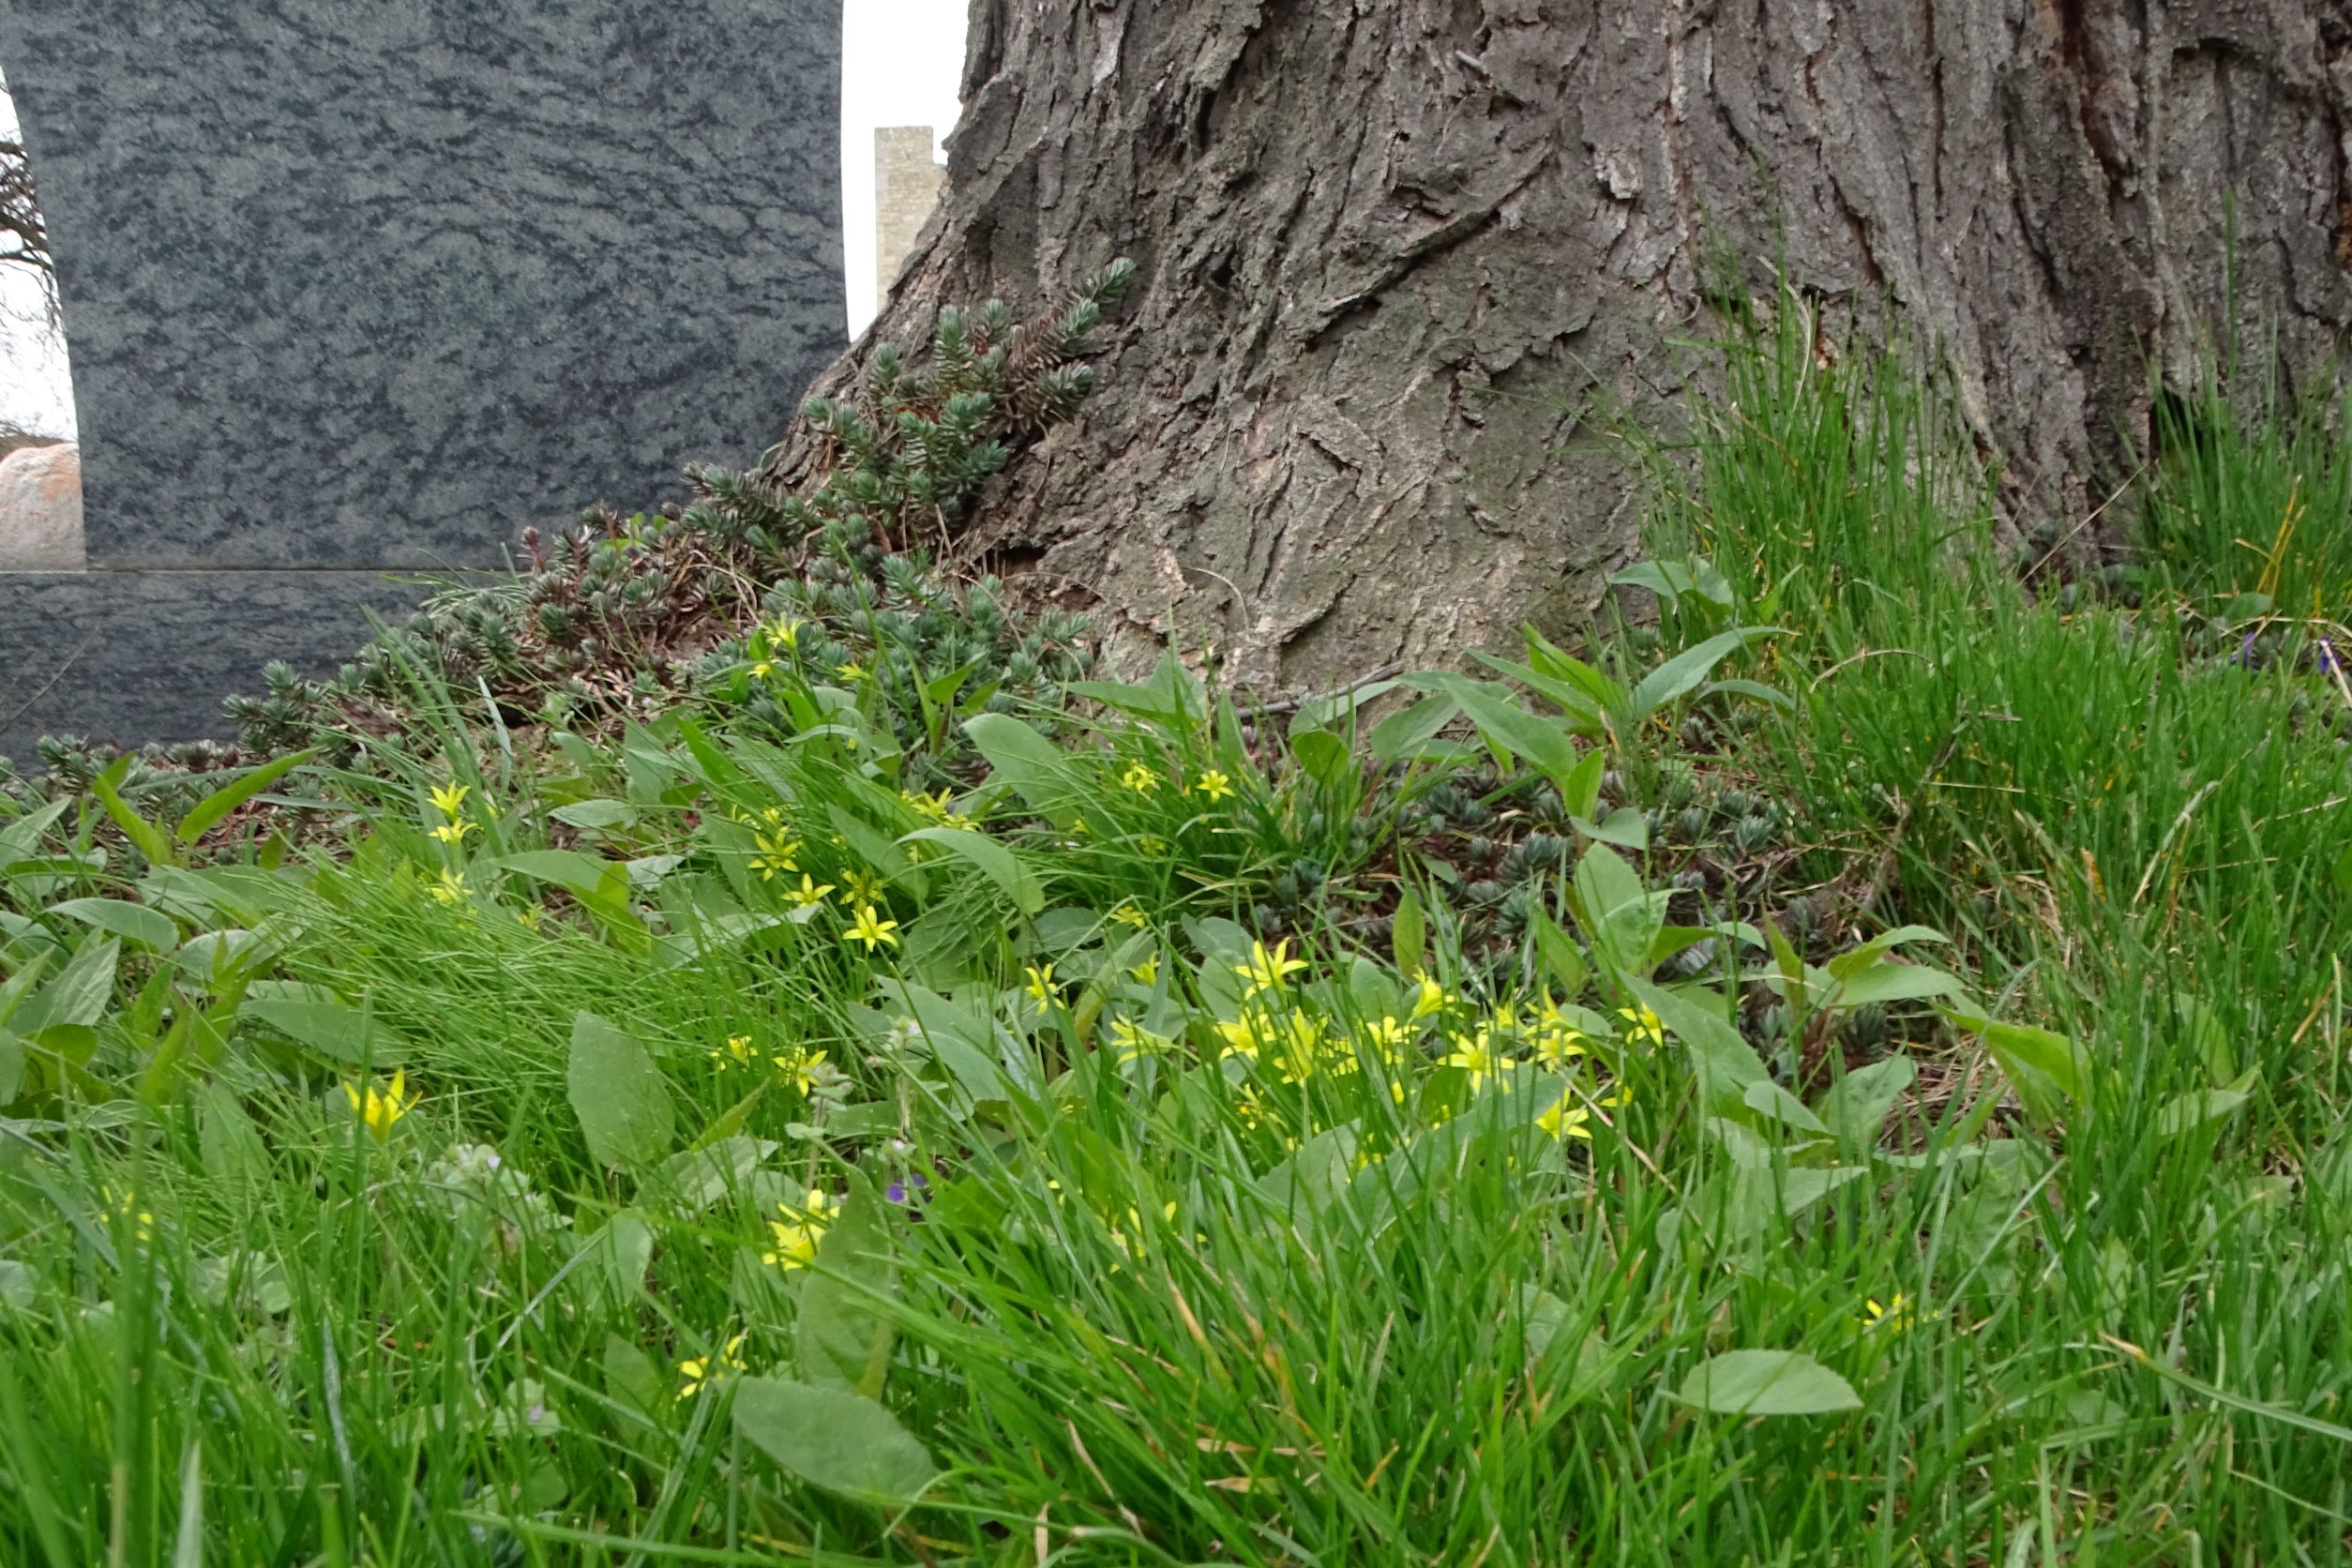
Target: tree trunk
x,y
1391,250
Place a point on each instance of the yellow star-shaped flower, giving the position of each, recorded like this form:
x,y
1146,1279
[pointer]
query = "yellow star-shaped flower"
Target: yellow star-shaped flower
x,y
871,931
378,1108
704,1369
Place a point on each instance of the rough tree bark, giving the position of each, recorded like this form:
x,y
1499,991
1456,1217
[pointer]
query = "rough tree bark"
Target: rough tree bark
x,y
1388,247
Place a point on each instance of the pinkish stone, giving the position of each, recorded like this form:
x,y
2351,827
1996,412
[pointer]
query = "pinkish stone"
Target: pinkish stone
x,y
40,509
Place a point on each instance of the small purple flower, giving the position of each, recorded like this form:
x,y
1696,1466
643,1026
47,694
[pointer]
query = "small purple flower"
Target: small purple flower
x,y
2245,652
2328,664
896,1191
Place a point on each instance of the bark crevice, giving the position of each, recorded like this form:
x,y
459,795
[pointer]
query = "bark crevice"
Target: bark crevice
x,y
1375,238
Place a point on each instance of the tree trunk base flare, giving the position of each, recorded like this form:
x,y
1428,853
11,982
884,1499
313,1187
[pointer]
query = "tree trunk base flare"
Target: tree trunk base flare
x,y
1399,257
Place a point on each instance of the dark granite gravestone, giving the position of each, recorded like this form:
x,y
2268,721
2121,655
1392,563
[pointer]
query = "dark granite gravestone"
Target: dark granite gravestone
x,y
350,287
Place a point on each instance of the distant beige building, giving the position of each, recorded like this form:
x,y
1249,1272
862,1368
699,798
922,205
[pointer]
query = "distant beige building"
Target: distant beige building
x,y
906,188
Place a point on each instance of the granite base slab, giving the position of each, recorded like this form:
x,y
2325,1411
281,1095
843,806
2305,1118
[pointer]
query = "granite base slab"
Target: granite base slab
x,y
139,657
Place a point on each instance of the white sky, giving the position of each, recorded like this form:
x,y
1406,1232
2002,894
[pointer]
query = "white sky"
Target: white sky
x,y
900,63
33,388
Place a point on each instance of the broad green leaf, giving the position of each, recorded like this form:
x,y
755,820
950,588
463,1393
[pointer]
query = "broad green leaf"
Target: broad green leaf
x,y
1625,828
581,875
208,811
22,838
2046,1069
1788,976
1721,1059
1678,676
1031,765
885,854
1599,692
1757,690
1323,756
1545,1315
843,1341
1067,929
1578,714
715,1171
66,863
941,690
132,922
1656,576
1672,940
1620,916
1341,707
2248,606
630,1375
1137,700
214,959
2185,1111
20,984
1767,1382
144,835
700,937
1769,1100
625,1248
1800,1187
1321,1171
830,1438
11,1065
234,895
20,1286
2206,1036
1173,697
993,860
1186,697
602,887
187,1545
1672,578
960,1038
1541,742
1605,883
76,994
329,1027
1848,964
1372,991
227,1138
1559,953
1580,791
1573,1369
1741,1204
646,871
1856,1106
596,813
620,1096
1893,982
1408,937
1403,733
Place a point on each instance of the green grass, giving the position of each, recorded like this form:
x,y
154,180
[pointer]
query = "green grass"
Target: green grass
x,y
1209,1159
2250,495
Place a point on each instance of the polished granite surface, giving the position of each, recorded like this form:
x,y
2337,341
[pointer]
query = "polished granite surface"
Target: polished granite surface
x,y
368,285
362,286
137,656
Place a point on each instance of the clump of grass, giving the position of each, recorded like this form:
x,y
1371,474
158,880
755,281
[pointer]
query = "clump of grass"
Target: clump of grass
x,y
2142,843
2249,496
1971,752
